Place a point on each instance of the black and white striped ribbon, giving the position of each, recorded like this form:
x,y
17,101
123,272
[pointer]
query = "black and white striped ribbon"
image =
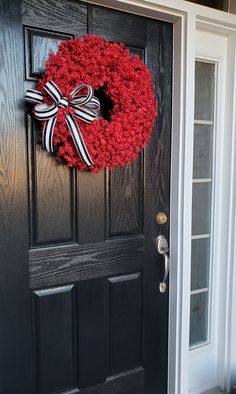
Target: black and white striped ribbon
x,y
86,108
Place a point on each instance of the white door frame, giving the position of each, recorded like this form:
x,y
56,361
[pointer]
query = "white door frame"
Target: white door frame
x,y
186,18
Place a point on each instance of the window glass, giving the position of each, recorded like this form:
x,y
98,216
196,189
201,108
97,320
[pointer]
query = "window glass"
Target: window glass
x,y
202,202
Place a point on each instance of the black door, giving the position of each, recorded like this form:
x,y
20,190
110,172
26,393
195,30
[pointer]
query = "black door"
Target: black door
x,y
80,307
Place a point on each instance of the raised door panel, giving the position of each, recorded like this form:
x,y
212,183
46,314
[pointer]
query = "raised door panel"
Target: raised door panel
x,y
55,339
39,43
125,337
93,319
125,200
86,334
91,207
52,194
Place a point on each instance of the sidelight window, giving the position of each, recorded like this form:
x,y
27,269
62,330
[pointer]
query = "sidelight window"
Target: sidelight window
x,y
202,203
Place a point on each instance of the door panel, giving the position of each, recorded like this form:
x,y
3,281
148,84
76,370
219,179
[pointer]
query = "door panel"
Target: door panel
x,y
93,317
38,44
83,263
125,200
55,339
125,296
52,220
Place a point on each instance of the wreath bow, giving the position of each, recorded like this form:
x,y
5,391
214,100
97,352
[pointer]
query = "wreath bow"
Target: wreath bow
x,y
86,108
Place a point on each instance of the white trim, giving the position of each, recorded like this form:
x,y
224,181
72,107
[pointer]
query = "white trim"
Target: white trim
x,y
186,197
204,360
202,180
220,201
200,236
228,365
204,387
177,153
185,16
203,122
199,291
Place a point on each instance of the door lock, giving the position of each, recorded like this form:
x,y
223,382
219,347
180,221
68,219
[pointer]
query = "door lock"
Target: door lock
x,y
161,218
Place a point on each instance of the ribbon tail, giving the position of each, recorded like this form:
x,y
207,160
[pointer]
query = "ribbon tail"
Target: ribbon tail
x,y
78,140
34,96
47,134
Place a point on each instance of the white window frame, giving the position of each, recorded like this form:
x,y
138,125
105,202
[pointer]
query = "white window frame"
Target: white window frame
x,y
203,361
186,17
205,58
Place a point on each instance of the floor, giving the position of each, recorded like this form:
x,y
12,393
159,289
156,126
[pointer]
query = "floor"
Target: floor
x,y
214,391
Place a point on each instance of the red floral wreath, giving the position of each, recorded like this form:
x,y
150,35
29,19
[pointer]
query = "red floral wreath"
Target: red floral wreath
x,y
125,82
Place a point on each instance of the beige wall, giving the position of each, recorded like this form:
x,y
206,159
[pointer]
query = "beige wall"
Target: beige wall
x,y
232,6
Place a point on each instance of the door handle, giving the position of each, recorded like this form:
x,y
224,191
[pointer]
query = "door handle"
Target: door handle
x,y
161,246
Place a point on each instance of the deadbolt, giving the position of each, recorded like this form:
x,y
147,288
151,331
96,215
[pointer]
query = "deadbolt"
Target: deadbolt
x,y
161,217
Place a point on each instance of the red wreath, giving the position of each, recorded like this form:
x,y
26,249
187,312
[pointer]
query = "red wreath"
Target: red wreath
x,y
126,83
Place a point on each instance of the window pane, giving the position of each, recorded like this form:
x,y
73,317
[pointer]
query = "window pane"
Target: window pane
x,y
200,263
198,318
202,155
202,201
204,91
201,210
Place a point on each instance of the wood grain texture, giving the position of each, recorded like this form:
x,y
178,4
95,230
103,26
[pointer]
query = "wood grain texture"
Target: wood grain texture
x,y
93,331
124,185
55,331
49,266
54,215
15,327
58,15
91,207
38,44
130,29
125,199
68,217
52,194
125,304
156,198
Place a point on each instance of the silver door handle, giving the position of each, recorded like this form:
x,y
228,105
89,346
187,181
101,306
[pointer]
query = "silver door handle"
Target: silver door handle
x,y
161,246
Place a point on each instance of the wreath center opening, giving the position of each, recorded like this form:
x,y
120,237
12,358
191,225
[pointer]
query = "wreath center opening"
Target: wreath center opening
x,y
106,104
